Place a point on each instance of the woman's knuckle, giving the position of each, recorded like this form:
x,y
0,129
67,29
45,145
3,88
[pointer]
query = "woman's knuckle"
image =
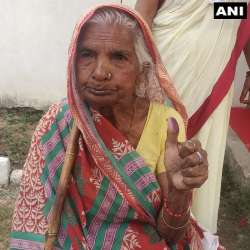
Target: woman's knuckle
x,y
190,160
197,143
204,153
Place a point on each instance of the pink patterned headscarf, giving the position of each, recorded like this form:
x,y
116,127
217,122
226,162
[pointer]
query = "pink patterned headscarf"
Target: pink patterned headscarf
x,y
164,80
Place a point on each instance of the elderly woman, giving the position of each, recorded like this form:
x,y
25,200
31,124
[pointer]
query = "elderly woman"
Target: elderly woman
x,y
132,180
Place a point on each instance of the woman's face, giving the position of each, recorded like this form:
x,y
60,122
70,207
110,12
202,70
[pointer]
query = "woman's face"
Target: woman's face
x,y
107,67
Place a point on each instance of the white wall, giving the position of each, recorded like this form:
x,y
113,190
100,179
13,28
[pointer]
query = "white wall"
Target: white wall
x,y
34,41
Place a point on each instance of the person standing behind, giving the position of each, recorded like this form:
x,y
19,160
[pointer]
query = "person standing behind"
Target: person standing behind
x,y
200,54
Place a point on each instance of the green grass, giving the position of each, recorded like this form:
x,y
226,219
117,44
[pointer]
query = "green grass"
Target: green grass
x,y
16,129
5,218
7,199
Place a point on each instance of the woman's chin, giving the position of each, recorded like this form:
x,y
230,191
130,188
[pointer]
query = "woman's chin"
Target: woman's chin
x,y
101,101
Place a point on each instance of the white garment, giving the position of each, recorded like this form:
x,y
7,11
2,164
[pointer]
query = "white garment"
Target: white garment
x,y
195,48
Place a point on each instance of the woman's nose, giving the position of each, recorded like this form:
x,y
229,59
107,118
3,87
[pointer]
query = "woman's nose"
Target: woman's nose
x,y
101,72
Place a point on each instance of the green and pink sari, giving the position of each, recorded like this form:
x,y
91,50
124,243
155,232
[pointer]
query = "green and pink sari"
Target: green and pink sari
x,y
113,199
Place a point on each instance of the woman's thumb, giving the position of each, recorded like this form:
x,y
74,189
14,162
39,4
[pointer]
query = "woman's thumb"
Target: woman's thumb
x,y
172,131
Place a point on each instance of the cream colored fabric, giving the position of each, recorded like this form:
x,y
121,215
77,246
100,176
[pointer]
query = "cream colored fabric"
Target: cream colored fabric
x,y
195,49
213,137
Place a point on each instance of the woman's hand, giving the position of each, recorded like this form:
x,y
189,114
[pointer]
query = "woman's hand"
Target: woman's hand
x,y
246,88
186,163
245,91
148,9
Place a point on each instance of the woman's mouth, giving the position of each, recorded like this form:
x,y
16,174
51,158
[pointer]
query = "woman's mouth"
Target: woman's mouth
x,y
99,91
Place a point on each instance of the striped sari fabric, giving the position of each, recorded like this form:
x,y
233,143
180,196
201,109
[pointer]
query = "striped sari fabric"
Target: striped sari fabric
x,y
109,206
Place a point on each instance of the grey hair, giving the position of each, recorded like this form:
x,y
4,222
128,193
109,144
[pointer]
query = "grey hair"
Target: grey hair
x,y
149,87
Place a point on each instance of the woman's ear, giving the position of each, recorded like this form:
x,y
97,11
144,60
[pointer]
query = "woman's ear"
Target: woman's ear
x,y
142,83
146,66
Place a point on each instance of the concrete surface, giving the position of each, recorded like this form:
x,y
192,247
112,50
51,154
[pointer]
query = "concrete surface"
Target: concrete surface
x,y
4,170
237,158
16,176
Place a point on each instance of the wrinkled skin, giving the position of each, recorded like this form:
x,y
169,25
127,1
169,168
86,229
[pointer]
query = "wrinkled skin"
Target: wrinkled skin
x,y
107,49
187,170
245,93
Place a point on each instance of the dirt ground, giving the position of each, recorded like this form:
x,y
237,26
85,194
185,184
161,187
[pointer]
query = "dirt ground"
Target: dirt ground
x,y
16,128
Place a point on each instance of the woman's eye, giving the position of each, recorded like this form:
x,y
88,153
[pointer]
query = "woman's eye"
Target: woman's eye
x,y
86,54
119,56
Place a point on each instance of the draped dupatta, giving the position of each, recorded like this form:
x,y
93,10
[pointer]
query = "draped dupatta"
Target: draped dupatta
x,y
110,167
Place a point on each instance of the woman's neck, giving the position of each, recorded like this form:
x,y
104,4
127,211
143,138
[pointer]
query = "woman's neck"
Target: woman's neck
x,y
128,118
130,121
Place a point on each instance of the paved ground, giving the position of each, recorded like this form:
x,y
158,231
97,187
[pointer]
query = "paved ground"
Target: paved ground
x,y
237,157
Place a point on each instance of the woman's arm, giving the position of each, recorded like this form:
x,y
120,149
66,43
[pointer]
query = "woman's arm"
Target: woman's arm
x,y
246,87
148,9
247,53
179,203
186,168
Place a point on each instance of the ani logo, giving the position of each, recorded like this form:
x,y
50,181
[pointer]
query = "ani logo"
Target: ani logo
x,y
230,10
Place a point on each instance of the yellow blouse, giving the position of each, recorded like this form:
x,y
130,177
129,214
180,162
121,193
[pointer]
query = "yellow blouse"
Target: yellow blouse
x,y
151,145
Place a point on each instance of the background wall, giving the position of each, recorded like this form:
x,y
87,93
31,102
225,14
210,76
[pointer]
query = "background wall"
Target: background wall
x,y
34,41
35,36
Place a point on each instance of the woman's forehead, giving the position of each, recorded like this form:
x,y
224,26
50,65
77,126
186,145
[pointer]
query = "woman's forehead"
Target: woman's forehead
x,y
104,34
